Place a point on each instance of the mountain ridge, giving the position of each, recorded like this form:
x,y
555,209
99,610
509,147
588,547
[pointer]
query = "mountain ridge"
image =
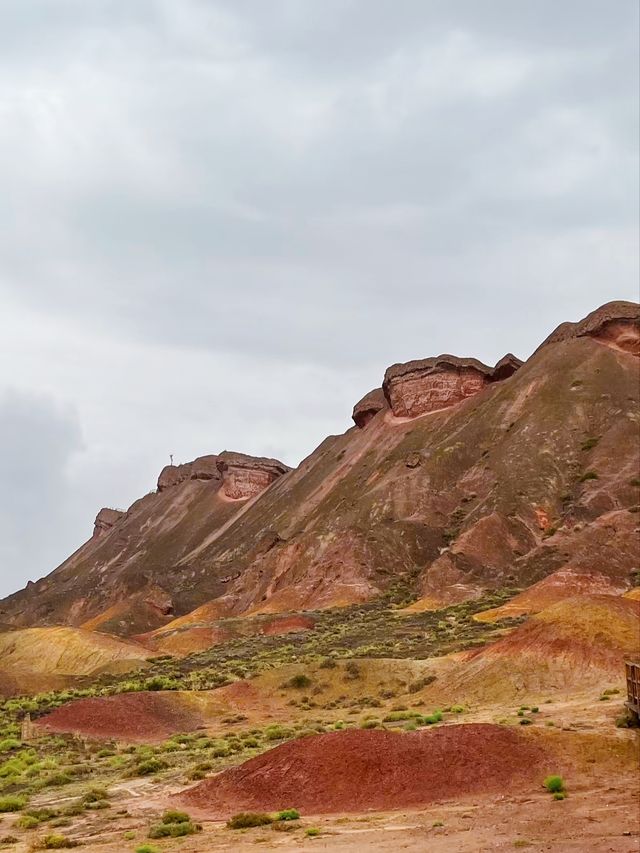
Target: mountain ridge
x,y
452,483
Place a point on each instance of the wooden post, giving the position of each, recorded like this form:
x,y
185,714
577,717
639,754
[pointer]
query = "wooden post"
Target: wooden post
x,y
26,728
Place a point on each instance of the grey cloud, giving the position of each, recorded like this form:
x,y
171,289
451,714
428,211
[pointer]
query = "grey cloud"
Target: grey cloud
x,y
37,523
317,188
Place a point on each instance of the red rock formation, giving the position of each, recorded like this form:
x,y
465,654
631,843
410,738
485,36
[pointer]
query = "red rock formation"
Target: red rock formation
x,y
202,468
246,476
368,407
616,324
105,520
428,384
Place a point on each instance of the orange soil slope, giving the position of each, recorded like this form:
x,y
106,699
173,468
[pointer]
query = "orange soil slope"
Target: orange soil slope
x,y
574,645
35,659
356,770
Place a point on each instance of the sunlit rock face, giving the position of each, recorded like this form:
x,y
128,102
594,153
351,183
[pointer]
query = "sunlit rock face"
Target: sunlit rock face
x,y
615,324
367,408
105,520
246,476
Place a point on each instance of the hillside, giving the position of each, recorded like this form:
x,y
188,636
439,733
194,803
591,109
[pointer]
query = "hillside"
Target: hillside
x,y
457,478
36,659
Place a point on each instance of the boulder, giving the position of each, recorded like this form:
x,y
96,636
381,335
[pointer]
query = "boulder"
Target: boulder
x,y
105,520
368,407
246,476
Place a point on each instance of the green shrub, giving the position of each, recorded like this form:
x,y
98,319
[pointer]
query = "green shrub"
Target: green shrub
x,y
369,724
10,744
525,721
288,814
457,709
416,686
174,830
27,821
559,795
173,816
312,831
56,842
298,681
245,820
352,671
12,803
147,848
554,784
94,795
151,765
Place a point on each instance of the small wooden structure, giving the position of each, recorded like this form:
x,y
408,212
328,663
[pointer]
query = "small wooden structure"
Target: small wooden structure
x,y
26,729
632,669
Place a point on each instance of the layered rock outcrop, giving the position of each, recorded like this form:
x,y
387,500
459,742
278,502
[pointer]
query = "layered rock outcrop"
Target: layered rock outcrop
x,y
202,468
367,408
105,520
616,324
429,384
246,476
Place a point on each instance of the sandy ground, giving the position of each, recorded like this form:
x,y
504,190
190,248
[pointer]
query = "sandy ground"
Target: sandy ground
x,y
600,820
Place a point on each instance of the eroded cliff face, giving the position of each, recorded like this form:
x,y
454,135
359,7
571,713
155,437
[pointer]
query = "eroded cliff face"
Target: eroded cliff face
x,y
368,407
430,384
524,470
202,468
616,324
105,520
245,477
427,385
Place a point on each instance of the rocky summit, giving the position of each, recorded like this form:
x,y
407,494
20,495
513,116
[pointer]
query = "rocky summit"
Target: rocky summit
x,y
458,478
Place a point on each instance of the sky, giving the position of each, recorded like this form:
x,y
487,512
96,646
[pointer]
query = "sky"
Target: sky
x,y
221,220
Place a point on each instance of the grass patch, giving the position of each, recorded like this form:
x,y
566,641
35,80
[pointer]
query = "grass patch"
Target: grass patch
x,y
246,820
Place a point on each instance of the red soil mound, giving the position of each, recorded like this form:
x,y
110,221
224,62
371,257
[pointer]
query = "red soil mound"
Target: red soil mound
x,y
129,716
356,770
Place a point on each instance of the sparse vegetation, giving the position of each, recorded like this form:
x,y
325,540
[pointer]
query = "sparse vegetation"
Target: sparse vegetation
x,y
245,820
554,784
288,814
12,803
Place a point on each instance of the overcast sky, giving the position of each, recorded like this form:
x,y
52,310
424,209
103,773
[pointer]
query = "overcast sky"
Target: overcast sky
x,y
220,220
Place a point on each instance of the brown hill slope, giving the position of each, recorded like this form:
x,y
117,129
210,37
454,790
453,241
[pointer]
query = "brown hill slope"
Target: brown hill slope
x,y
498,477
